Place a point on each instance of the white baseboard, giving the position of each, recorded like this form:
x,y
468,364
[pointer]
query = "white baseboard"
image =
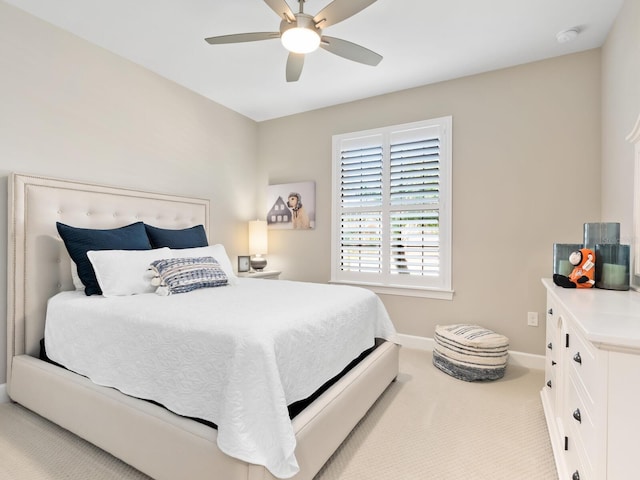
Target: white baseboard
x,y
521,359
4,398
527,360
415,342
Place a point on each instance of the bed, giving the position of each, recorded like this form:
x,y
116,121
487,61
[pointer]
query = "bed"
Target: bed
x,y
147,436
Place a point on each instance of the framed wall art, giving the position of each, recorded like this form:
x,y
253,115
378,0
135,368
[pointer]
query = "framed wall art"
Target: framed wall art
x,y
292,206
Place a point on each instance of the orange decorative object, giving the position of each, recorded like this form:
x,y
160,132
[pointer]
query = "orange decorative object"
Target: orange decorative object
x,y
584,271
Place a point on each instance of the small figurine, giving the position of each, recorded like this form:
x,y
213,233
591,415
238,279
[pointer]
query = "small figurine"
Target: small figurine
x,y
584,271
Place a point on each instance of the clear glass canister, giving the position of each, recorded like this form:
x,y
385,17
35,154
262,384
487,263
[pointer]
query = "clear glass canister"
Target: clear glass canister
x,y
603,233
612,266
561,252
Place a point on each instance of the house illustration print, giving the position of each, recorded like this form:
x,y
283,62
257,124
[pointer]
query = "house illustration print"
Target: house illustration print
x,y
291,206
279,213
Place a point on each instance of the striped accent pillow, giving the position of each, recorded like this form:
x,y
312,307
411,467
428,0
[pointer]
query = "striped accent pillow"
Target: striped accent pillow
x,y
181,275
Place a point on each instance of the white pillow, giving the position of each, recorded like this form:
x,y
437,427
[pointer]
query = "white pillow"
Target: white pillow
x,y
216,251
125,272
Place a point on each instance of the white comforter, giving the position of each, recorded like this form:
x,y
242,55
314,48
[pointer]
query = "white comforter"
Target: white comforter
x,y
235,355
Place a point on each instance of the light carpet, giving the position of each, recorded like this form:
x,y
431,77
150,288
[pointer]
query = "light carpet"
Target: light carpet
x,y
425,426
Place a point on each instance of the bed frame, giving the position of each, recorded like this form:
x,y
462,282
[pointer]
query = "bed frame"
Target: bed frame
x,y
159,443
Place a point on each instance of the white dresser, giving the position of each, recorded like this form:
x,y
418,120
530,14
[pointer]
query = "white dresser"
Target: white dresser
x,y
591,398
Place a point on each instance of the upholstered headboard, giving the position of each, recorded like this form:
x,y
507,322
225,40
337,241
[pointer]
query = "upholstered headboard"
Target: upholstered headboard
x,y
38,265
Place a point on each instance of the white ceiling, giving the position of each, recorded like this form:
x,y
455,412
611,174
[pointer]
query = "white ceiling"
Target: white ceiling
x,y
422,42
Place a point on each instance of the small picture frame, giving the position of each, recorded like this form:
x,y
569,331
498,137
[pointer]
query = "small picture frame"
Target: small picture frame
x,y
244,263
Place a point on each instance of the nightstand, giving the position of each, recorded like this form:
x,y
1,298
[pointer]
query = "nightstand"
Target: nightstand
x,y
267,274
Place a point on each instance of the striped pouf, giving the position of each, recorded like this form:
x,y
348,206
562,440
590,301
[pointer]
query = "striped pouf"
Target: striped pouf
x,y
470,352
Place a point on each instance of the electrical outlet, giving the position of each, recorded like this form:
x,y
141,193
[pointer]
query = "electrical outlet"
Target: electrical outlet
x,y
532,319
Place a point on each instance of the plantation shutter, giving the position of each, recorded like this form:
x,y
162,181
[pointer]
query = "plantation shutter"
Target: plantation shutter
x,y
414,197
388,206
361,170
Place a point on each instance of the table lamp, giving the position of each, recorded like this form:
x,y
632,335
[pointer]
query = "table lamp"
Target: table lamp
x,y
258,244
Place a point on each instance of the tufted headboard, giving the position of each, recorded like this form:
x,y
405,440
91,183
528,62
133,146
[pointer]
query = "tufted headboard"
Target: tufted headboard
x,y
38,265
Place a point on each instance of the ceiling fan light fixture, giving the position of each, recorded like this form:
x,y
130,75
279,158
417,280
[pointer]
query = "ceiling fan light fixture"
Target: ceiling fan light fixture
x,y
300,40
300,36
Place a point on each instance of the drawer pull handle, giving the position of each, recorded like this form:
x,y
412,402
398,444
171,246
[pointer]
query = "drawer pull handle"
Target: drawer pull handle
x,y
576,475
550,311
550,346
577,416
577,358
549,384
553,362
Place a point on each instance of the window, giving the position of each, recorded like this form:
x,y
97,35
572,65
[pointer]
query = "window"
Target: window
x,y
392,208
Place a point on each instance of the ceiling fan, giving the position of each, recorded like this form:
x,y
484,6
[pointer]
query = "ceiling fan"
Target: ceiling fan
x,y
301,33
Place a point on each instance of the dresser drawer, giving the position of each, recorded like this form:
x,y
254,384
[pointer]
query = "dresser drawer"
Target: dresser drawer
x,y
552,316
581,359
550,376
581,465
551,358
581,429
573,464
552,348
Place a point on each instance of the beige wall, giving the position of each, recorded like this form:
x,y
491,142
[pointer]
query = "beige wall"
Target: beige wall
x,y
526,168
69,109
620,110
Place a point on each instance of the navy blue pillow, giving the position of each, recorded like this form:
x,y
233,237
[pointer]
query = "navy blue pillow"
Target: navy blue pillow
x,y
80,240
186,238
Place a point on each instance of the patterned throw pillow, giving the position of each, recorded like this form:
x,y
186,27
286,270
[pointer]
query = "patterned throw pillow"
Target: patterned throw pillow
x,y
181,275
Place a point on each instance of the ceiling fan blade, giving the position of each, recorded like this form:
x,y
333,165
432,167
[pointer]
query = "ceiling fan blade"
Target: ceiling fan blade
x,y
295,62
281,8
339,10
242,37
350,51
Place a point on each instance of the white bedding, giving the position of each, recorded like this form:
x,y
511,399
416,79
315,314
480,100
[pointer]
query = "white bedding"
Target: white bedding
x,y
235,355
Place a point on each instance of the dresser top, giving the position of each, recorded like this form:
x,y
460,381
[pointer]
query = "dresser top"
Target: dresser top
x,y
607,318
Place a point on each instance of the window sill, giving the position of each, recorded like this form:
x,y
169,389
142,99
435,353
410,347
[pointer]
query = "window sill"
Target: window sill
x,y
402,290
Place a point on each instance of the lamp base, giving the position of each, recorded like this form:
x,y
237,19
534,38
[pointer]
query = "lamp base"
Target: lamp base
x,y
258,263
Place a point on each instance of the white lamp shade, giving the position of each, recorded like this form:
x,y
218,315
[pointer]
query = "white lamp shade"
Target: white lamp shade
x,y
258,237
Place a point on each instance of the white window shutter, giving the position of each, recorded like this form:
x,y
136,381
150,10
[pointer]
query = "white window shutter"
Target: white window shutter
x,y
391,206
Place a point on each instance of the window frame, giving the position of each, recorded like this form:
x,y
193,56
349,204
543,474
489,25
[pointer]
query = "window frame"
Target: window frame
x,y
439,287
